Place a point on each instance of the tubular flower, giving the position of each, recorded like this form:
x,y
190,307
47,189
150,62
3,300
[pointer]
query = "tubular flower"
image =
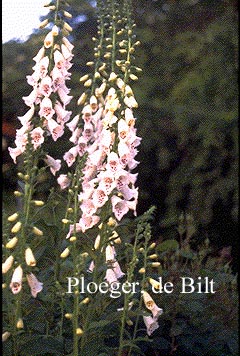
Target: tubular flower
x,y
151,305
16,281
34,284
151,324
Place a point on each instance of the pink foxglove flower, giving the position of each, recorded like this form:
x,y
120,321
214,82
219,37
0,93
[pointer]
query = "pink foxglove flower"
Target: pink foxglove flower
x,y
120,207
37,137
46,108
63,181
151,305
35,285
70,156
54,164
16,281
151,324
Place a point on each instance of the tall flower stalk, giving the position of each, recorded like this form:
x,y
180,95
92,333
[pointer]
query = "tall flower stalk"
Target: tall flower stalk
x,y
45,120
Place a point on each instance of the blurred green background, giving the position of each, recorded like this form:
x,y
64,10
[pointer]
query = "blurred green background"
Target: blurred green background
x,y
187,115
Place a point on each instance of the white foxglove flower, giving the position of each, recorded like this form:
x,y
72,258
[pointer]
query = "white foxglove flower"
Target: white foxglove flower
x,y
16,281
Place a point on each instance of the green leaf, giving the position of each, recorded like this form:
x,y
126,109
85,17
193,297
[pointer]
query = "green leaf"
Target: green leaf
x,y
167,245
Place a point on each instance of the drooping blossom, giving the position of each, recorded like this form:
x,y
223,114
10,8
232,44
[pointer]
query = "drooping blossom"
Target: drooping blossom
x,y
16,281
35,285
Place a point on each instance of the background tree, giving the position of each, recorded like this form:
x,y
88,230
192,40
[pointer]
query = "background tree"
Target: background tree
x,y
187,112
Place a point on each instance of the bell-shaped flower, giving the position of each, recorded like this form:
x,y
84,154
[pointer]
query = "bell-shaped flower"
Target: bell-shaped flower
x,y
110,253
63,181
48,40
25,119
73,123
45,87
62,114
119,206
46,108
35,285
16,281
70,156
151,324
151,305
54,164
37,137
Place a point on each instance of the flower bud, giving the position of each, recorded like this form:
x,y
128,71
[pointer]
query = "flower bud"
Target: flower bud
x,y
152,246
7,264
85,301
73,238
67,27
5,335
17,193
153,257
142,270
16,227
37,231
88,83
38,202
43,24
84,78
155,264
12,243
67,14
65,253
65,221
68,316
29,257
20,324
13,217
82,99
79,331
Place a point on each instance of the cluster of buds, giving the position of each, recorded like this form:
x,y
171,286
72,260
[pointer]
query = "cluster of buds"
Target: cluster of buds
x,y
48,99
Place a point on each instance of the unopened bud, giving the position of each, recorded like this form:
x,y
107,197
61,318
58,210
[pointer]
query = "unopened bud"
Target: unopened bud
x,y
5,335
16,227
38,202
13,217
73,238
153,257
85,301
155,264
82,99
65,253
43,23
17,193
37,231
65,221
20,324
152,246
142,270
67,14
84,78
79,331
67,27
88,83
68,316
12,243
